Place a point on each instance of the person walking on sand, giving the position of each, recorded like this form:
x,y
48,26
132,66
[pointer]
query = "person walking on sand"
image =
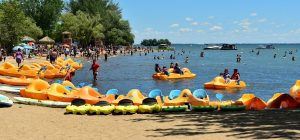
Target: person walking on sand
x,y
95,68
19,57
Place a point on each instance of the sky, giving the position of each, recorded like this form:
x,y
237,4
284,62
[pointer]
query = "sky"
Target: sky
x,y
214,21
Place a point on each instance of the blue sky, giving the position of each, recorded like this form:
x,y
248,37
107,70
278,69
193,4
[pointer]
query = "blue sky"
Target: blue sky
x,y
214,21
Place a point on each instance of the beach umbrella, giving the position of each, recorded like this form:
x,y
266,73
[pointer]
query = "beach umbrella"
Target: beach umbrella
x,y
17,47
46,39
27,39
27,47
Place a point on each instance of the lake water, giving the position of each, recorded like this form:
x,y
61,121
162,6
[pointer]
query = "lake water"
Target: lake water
x,y
263,74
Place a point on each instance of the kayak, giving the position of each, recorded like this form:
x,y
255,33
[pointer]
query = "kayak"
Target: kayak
x,y
45,103
11,89
5,101
22,81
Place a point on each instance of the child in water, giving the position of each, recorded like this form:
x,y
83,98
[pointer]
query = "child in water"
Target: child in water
x,y
95,68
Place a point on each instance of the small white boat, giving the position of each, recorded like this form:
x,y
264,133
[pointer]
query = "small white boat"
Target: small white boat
x,y
213,47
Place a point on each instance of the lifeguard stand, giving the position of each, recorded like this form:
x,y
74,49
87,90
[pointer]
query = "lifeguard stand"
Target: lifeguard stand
x,y
66,38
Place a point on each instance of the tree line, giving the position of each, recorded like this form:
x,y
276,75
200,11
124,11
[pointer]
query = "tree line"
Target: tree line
x,y
88,21
155,42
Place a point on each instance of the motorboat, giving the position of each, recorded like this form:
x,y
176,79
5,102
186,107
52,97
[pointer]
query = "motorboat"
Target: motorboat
x,y
228,47
221,47
268,46
212,47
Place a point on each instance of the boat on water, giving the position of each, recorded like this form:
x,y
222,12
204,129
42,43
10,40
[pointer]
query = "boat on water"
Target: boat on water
x,y
220,47
213,47
268,46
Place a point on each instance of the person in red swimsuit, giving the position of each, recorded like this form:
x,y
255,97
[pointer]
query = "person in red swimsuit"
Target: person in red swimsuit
x,y
95,68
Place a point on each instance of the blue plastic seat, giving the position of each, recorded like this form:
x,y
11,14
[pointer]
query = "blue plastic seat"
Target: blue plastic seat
x,y
174,94
154,93
112,91
200,93
81,85
68,88
58,81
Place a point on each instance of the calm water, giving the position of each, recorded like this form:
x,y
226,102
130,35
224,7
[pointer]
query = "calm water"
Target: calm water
x,y
263,74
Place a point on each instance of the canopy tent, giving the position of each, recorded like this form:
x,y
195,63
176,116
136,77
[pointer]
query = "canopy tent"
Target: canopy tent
x,y
27,39
47,39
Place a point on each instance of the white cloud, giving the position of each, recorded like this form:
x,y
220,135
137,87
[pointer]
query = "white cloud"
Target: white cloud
x,y
262,20
253,14
296,31
188,19
151,31
185,30
211,17
174,25
216,28
194,23
200,31
206,23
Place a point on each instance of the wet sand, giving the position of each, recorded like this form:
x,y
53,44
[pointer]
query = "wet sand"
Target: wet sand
x,y
34,122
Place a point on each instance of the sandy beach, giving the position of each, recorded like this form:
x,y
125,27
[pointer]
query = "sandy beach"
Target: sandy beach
x,y
34,122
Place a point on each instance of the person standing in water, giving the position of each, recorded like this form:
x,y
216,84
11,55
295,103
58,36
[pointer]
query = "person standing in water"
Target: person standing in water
x,y
187,59
19,57
202,54
105,57
274,56
293,58
95,68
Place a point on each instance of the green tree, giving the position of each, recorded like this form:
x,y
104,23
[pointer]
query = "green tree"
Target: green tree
x,y
84,27
14,25
155,42
116,30
44,12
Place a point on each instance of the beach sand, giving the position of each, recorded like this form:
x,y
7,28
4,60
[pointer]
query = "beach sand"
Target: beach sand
x,y
34,122
37,59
